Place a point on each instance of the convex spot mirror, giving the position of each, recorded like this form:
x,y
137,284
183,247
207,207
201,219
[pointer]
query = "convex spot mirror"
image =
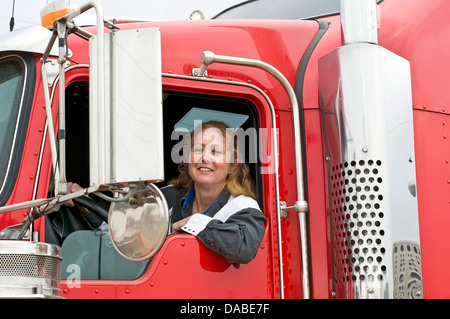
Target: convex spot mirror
x,y
139,227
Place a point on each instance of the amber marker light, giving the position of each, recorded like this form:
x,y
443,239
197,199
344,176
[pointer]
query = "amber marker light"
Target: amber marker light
x,y
54,11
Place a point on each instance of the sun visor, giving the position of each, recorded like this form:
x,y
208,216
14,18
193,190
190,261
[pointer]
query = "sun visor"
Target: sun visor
x,y
200,115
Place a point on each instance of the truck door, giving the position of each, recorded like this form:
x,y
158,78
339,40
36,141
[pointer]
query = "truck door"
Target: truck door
x,y
91,266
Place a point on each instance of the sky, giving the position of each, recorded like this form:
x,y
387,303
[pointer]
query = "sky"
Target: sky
x,y
27,12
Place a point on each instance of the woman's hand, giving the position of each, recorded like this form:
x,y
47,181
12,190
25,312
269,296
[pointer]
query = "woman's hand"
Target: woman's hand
x,y
176,227
72,188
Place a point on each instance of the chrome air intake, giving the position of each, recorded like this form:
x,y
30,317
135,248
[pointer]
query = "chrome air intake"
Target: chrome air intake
x,y
366,106
29,270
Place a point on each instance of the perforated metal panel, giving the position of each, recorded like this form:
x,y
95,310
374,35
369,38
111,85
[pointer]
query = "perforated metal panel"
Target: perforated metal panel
x,y
29,266
29,270
357,214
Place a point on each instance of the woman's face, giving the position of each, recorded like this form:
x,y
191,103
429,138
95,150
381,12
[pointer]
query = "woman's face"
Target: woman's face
x,y
208,163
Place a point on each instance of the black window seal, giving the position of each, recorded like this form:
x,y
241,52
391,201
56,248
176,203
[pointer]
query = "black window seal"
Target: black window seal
x,y
298,89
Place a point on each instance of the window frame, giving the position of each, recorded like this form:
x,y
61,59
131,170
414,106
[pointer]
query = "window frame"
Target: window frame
x,y
21,122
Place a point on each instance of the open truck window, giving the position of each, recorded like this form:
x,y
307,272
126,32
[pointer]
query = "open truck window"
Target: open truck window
x,y
177,105
88,253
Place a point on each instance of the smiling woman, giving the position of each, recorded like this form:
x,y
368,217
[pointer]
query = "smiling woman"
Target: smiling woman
x,y
210,162
213,197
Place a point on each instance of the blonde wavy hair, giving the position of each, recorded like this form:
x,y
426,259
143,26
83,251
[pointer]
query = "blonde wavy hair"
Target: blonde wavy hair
x,y
238,182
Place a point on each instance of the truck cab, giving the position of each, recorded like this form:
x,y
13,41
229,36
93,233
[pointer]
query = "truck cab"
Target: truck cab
x,y
332,111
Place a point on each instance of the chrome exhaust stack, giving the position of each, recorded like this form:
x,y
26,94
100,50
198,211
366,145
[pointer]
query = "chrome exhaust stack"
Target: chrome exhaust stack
x,y
366,105
359,21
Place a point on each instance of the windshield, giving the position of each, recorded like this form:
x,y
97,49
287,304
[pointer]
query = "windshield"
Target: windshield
x,y
281,9
12,75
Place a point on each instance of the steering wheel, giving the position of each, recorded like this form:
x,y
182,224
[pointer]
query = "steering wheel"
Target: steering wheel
x,y
93,207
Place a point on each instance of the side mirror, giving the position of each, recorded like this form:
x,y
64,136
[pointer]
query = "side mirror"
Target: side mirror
x,y
126,123
138,227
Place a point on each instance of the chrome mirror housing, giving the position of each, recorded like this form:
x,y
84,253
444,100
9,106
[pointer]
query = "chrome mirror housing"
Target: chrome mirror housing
x,y
138,227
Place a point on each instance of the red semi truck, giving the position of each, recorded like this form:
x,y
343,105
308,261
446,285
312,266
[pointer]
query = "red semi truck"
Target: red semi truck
x,y
344,107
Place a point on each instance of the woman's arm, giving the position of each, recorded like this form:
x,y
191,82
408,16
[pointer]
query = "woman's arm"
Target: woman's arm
x,y
234,232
